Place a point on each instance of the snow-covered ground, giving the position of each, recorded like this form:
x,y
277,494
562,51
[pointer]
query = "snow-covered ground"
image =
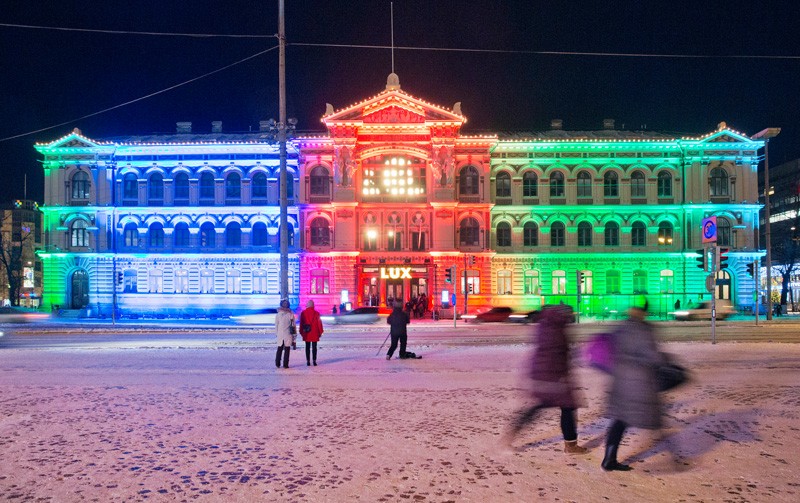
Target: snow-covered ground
x,y
223,424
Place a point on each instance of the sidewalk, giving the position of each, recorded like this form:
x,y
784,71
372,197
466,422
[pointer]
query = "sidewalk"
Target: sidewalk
x,y
225,425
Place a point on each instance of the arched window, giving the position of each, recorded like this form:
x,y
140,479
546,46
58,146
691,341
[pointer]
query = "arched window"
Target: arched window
x,y
206,187
531,282
613,282
585,234
667,281
665,234
208,235
723,232
664,184
557,237
156,235
503,184
181,235
320,232
468,181
319,182
233,189
718,182
233,235
503,234
638,234
181,188
258,187
611,184
504,282
80,185
259,234
530,184
79,235
584,184
130,189
320,281
611,234
155,190
639,281
638,185
131,235
556,184
530,234
233,281
469,232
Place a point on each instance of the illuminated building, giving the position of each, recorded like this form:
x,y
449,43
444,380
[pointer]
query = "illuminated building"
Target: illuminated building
x,y
388,199
21,228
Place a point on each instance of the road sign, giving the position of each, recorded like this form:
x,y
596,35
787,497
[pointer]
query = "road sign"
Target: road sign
x,y
710,230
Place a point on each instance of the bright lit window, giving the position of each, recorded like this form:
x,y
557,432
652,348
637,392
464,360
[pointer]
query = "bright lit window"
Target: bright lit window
x,y
155,281
667,281
504,282
392,176
320,281
559,282
531,282
233,281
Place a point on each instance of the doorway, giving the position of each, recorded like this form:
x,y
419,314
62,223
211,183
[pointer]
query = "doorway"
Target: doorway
x,y
79,294
394,291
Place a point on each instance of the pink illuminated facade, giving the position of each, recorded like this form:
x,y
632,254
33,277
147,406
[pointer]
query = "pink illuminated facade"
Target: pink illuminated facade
x,y
393,195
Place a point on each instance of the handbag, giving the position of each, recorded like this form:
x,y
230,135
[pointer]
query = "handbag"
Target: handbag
x,y
292,329
600,352
305,328
670,375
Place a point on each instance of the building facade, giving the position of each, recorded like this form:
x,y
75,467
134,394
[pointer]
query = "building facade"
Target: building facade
x,y
387,202
20,267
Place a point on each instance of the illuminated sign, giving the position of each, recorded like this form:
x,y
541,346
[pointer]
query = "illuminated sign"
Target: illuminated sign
x,y
395,272
27,277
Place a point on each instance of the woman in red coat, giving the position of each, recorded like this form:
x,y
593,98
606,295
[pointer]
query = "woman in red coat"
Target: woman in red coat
x,y
310,330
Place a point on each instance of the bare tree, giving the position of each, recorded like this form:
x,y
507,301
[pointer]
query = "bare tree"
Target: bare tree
x,y
13,239
786,254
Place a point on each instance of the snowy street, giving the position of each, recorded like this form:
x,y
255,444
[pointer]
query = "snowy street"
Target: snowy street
x,y
218,422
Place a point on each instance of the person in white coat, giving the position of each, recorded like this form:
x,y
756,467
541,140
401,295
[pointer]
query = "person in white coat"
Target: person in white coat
x,y
284,320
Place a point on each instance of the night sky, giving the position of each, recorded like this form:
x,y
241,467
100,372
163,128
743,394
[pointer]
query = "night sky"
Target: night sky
x,y
51,77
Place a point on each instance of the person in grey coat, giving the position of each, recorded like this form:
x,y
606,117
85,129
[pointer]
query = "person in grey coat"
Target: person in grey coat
x,y
634,398
550,373
283,321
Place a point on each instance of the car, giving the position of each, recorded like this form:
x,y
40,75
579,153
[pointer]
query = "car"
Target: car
x,y
263,317
703,311
502,314
357,315
11,314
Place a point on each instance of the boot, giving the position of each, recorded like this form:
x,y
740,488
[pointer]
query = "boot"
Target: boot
x,y
610,460
572,447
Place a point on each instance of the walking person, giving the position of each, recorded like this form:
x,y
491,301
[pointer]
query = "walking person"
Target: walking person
x,y
550,375
398,321
311,331
286,333
634,399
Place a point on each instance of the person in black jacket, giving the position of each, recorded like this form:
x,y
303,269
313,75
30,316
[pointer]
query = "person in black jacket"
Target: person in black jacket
x,y
398,321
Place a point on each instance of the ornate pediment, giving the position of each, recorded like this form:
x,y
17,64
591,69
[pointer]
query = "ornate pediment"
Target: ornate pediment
x,y
393,114
725,135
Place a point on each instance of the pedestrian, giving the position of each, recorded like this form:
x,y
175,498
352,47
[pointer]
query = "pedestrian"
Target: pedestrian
x,y
311,331
550,376
677,304
398,321
634,399
286,333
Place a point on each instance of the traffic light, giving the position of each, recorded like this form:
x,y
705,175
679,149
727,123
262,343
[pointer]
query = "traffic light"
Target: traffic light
x,y
119,277
469,288
702,263
472,260
448,275
722,258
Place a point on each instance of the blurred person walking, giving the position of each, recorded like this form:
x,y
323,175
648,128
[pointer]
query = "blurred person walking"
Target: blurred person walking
x,y
311,331
634,399
550,376
285,331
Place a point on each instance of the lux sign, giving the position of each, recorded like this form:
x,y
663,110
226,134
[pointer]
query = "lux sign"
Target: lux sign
x,y
395,272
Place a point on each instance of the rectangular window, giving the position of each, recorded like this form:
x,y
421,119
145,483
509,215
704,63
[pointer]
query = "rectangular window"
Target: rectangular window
x,y
418,241
320,281
504,282
155,281
531,283
559,283
181,281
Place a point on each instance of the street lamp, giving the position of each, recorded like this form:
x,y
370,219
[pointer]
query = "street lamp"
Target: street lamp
x,y
766,134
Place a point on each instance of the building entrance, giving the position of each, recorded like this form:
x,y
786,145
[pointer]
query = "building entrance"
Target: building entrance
x,y
79,296
394,291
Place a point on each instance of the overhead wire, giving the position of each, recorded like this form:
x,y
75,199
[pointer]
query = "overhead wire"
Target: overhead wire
x,y
412,48
142,97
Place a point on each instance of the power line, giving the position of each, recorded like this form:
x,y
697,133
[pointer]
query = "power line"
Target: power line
x,y
142,97
129,32
416,48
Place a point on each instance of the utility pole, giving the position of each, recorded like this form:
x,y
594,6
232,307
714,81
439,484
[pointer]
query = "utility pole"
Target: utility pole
x,y
284,219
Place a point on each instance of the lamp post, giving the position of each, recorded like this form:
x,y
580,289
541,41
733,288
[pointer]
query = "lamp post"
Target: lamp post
x,y
766,134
